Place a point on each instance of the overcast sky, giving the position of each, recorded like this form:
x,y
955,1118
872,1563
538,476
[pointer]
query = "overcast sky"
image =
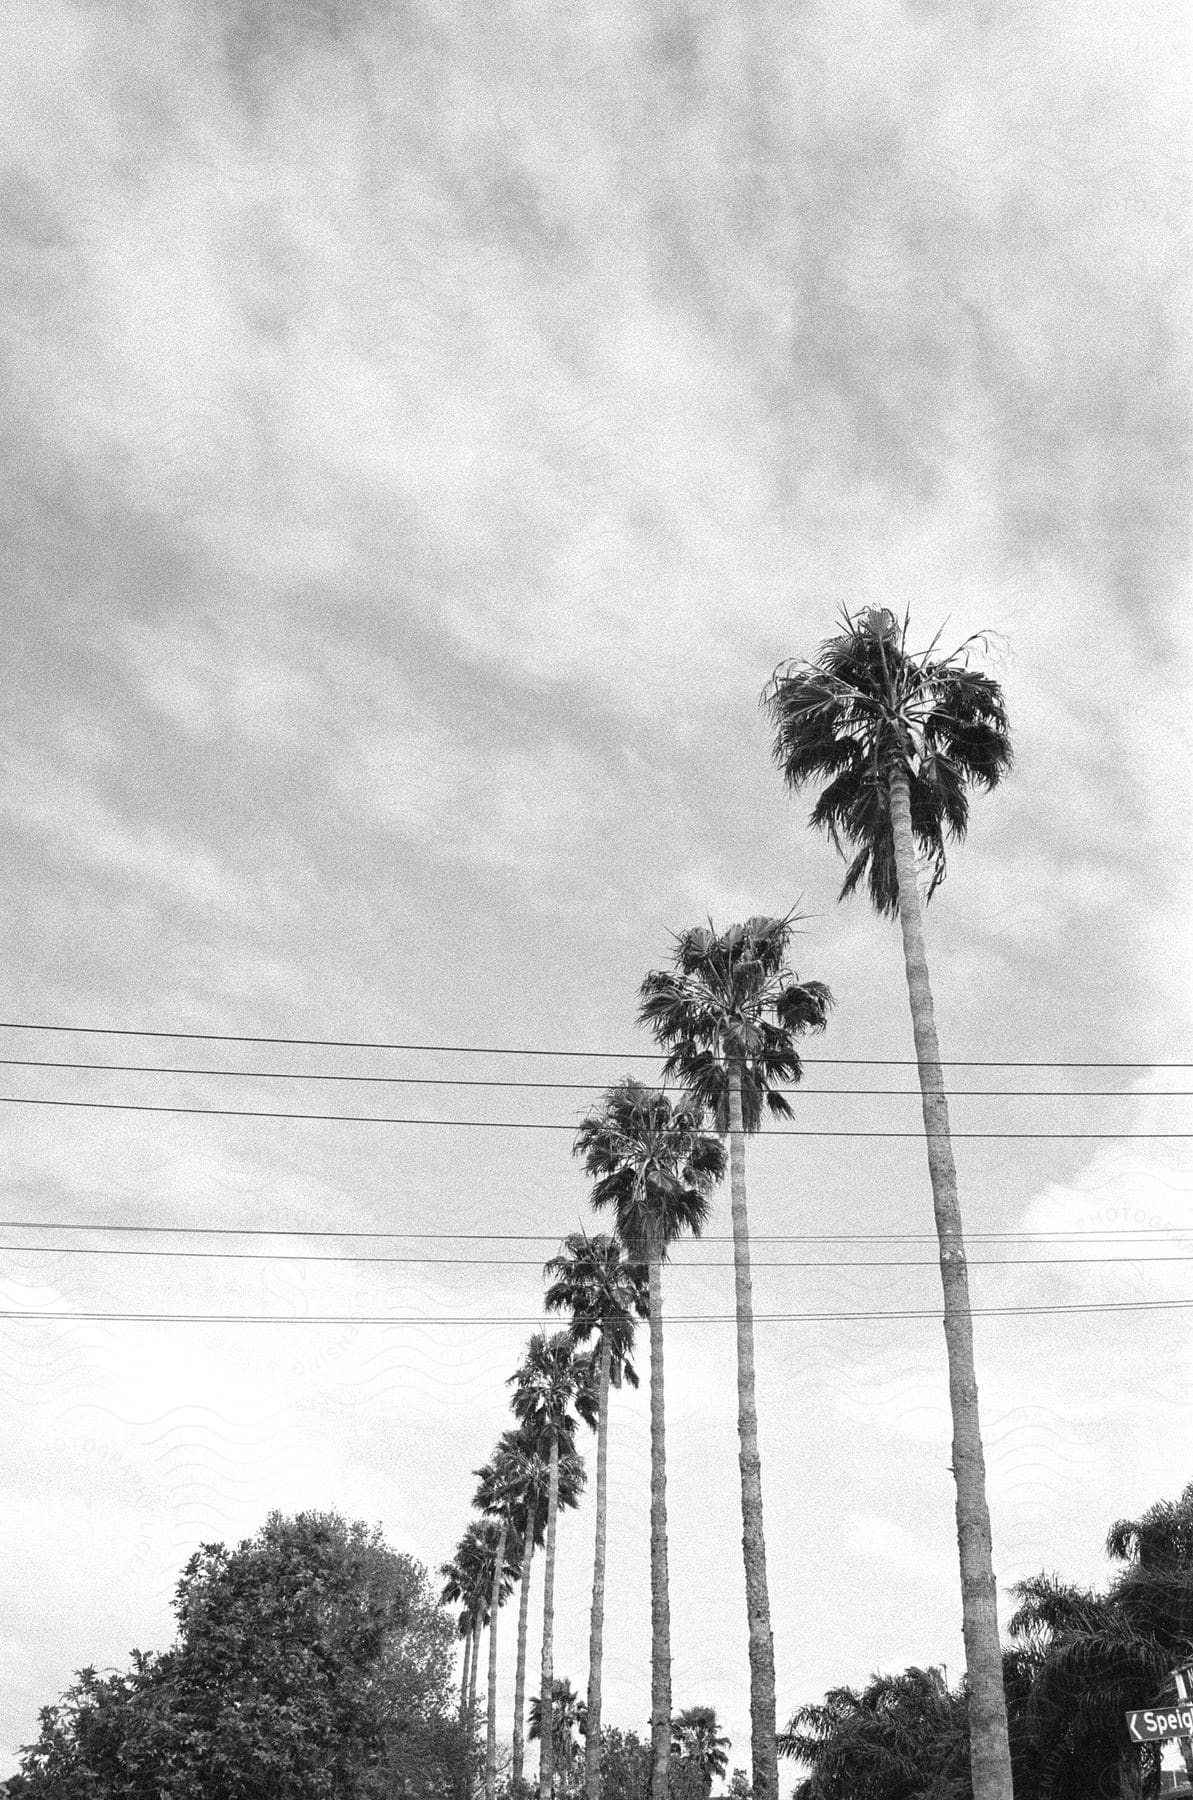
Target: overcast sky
x,y
427,425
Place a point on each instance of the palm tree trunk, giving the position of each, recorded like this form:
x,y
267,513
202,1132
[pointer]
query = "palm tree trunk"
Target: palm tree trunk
x,y
520,1676
547,1689
660,1598
464,1674
989,1747
476,1656
596,1633
491,1720
763,1746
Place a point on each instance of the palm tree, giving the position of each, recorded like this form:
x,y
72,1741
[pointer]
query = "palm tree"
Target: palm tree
x,y
606,1295
900,739
728,1012
553,1387
901,1737
1097,1658
480,1573
531,1524
501,1483
1161,1539
653,1165
569,1715
468,1580
697,1741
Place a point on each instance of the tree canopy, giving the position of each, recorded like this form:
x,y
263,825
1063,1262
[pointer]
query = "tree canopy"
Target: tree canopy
x,y
312,1663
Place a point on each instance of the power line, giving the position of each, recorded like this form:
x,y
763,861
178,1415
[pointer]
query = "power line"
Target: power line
x,y
862,1314
216,1037
238,1112
587,1087
1161,1234
526,1262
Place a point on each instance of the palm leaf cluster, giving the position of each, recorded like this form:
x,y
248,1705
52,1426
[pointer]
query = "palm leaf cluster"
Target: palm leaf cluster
x,y
868,706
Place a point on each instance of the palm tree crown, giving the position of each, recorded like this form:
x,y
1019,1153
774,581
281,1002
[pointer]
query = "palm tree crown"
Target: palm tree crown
x,y
866,707
605,1294
730,999
651,1163
697,1740
553,1386
1161,1539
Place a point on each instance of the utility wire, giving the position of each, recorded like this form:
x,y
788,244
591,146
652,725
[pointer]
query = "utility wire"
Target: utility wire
x,y
525,1262
544,1237
216,1037
237,1112
587,1087
864,1314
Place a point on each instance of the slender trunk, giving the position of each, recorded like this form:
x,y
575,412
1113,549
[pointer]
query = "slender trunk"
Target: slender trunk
x,y
1130,1775
989,1747
547,1687
660,1599
763,1746
477,1627
520,1676
596,1633
464,1674
491,1720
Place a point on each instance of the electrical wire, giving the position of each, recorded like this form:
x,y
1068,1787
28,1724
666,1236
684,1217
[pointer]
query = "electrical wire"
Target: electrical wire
x,y
457,1081
216,1037
1161,1234
769,1318
524,1262
238,1112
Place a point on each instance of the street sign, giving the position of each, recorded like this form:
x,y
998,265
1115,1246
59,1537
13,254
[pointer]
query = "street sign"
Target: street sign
x,y
1157,1722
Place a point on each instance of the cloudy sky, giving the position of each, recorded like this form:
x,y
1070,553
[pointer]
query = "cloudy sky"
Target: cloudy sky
x,y
426,427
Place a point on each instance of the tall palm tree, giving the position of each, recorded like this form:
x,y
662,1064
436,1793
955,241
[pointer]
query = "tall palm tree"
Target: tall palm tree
x,y
729,1012
606,1295
501,1483
697,1741
553,1386
530,1521
900,739
653,1165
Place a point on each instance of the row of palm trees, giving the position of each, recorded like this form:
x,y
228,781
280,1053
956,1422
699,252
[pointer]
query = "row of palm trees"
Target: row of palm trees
x,y
898,738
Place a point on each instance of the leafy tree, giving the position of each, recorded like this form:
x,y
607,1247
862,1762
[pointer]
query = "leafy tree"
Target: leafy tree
x,y
311,1663
625,1765
699,1747
900,738
553,1387
653,1165
569,1721
729,1012
738,1787
606,1295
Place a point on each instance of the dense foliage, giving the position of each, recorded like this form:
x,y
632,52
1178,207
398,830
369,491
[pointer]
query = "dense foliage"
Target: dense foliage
x,y
311,1664
1082,1660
